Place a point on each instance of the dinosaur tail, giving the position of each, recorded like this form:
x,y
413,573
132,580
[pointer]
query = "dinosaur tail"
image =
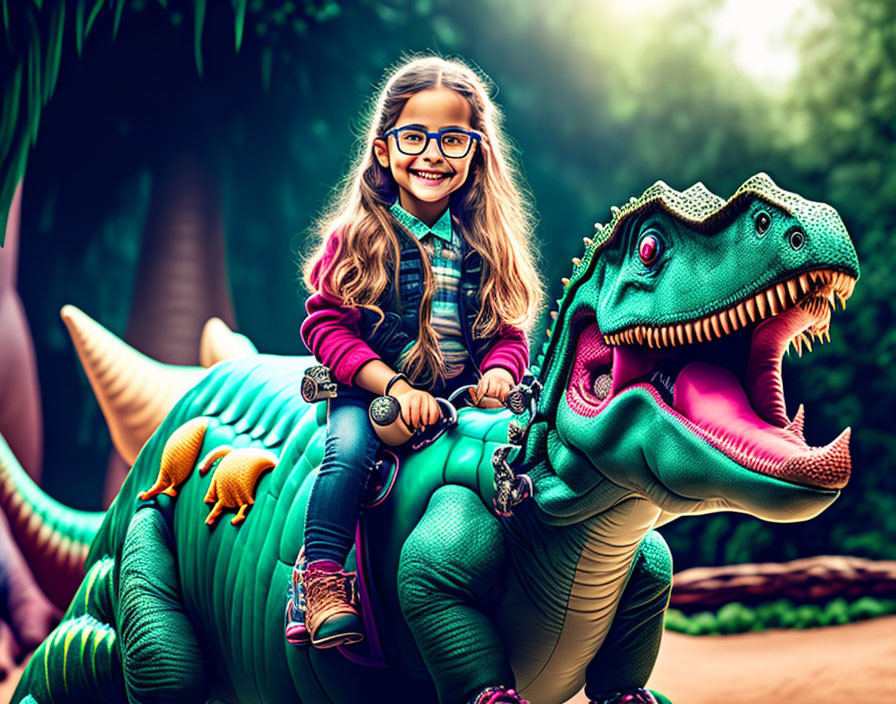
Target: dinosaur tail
x,y
53,537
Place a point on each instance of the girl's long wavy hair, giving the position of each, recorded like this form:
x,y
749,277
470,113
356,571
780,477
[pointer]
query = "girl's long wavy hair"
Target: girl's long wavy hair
x,y
490,211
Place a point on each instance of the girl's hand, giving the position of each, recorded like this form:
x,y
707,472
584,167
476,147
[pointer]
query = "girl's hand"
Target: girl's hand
x,y
418,407
495,382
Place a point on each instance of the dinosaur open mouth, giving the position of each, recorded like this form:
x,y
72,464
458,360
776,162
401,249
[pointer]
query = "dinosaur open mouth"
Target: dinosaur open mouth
x,y
720,376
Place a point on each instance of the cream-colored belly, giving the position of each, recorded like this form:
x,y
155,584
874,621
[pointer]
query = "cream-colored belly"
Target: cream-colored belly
x,y
558,673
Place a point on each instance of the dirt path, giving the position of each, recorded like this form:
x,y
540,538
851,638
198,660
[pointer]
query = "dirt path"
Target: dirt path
x,y
855,663
850,664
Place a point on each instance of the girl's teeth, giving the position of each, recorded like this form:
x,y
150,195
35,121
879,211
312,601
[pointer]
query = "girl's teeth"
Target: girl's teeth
x,y
429,177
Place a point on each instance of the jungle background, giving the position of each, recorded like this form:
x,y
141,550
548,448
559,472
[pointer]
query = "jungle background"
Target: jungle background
x,y
601,99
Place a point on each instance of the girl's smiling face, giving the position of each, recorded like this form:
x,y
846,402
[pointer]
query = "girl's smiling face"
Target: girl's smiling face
x,y
426,180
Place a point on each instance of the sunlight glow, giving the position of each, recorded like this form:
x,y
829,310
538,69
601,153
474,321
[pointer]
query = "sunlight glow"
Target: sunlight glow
x,y
761,35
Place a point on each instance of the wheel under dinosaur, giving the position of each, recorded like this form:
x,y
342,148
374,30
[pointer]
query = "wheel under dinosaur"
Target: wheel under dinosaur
x,y
661,397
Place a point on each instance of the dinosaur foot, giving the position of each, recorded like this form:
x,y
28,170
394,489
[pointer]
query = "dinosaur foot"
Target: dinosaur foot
x,y
496,695
631,696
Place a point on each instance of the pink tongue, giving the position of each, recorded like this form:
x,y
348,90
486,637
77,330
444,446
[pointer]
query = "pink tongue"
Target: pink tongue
x,y
712,398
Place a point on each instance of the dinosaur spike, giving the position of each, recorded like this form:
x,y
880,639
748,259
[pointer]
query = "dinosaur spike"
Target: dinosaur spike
x,y
548,332
219,342
588,241
576,261
565,281
554,315
132,415
599,226
614,210
796,425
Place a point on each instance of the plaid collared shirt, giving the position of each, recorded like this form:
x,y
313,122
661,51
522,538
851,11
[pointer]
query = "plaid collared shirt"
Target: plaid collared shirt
x,y
443,246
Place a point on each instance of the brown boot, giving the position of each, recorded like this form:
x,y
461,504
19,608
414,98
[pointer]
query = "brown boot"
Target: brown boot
x,y
331,616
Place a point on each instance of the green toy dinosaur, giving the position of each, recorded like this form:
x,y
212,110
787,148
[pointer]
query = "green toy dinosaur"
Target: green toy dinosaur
x,y
661,397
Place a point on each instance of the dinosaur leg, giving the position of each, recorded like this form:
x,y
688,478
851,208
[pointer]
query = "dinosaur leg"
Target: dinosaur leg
x,y
80,660
449,565
158,643
627,655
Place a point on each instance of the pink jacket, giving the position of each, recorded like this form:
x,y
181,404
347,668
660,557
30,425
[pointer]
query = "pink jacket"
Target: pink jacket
x,y
330,332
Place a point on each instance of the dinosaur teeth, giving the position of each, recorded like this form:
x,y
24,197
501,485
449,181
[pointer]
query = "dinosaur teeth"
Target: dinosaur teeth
x,y
639,334
804,282
751,309
716,328
723,320
742,314
707,329
761,305
772,303
679,334
791,289
781,290
689,333
664,336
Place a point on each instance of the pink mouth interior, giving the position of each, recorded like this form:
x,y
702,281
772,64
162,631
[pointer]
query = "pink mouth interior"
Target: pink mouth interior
x,y
741,414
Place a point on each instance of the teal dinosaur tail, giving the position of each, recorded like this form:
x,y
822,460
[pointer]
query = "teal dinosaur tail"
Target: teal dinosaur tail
x,y
53,537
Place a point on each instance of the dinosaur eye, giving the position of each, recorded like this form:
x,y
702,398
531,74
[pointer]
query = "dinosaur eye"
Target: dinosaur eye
x,y
763,222
649,250
797,239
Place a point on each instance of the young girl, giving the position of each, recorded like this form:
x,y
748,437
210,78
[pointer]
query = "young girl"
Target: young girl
x,y
424,279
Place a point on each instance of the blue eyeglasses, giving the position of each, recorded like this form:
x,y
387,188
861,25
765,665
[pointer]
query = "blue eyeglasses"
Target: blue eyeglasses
x,y
454,143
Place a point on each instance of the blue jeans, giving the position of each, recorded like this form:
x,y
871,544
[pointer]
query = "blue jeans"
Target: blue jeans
x,y
334,505
337,496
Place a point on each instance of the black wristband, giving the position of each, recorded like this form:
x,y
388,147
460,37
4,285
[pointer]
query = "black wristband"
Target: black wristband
x,y
392,381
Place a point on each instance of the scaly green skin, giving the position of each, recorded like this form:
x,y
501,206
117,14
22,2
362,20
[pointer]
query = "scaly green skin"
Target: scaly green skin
x,y
569,591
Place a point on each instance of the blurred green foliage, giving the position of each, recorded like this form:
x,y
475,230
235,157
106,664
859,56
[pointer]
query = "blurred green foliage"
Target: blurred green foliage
x,y
782,613
600,102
